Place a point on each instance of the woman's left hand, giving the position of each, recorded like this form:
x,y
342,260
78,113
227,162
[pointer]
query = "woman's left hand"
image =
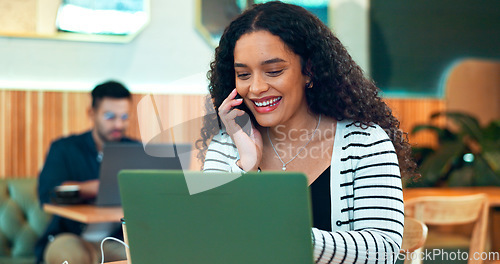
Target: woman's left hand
x,y
249,145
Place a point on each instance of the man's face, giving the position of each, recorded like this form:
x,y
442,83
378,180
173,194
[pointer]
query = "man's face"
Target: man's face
x,y
111,118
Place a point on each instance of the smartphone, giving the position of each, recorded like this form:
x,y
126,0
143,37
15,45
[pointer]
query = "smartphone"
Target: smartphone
x,y
242,105
244,120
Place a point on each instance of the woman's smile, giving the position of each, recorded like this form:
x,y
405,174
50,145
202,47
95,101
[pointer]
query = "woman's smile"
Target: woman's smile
x,y
266,104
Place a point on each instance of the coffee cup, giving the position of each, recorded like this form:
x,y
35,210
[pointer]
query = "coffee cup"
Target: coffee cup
x,y
66,194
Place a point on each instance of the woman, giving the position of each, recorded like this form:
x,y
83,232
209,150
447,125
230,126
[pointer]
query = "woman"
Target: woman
x,y
313,111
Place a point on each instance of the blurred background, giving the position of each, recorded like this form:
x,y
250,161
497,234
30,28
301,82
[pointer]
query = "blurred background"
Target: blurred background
x,y
437,63
427,57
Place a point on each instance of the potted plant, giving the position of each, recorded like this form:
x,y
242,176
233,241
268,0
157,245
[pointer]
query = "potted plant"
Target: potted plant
x,y
468,153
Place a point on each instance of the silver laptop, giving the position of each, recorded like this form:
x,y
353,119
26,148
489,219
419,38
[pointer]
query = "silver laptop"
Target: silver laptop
x,y
120,156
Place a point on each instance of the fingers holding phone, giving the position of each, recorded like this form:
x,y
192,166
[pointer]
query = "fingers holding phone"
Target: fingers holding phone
x,y
228,112
247,138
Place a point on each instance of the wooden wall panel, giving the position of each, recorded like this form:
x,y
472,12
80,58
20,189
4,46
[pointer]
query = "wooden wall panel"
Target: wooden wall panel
x,y
78,105
411,112
52,118
34,155
133,130
18,122
3,125
33,119
9,133
7,107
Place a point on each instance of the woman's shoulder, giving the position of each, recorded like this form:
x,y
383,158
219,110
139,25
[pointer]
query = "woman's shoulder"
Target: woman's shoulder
x,y
351,126
365,140
222,139
221,154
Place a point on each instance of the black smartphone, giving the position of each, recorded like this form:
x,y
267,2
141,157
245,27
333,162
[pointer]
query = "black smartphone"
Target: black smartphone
x,y
242,105
243,120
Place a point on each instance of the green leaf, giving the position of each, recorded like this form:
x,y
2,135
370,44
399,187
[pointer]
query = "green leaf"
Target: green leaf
x,y
483,173
420,154
492,158
442,133
492,131
438,165
461,177
469,125
418,128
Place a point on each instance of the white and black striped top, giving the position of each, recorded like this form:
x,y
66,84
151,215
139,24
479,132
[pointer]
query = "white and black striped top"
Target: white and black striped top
x,y
367,211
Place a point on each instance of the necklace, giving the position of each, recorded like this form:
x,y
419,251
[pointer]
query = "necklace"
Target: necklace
x,y
300,150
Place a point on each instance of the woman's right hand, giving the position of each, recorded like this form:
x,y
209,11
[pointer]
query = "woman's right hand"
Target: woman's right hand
x,y
249,146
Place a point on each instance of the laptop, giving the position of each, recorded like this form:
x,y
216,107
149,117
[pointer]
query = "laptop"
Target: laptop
x,y
253,218
119,156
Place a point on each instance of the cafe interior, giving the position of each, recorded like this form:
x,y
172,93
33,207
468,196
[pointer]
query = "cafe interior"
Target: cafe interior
x,y
437,64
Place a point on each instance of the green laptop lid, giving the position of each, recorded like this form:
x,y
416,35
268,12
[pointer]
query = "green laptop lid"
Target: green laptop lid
x,y
253,218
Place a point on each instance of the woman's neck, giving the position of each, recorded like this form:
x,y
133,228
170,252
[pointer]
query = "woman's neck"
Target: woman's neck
x,y
295,130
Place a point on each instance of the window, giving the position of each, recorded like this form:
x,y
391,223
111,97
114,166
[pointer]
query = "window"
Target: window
x,y
112,17
212,16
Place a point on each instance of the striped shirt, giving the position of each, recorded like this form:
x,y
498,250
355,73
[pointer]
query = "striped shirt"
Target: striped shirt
x,y
367,210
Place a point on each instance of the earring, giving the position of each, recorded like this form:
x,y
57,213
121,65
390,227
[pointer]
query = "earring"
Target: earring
x,y
309,84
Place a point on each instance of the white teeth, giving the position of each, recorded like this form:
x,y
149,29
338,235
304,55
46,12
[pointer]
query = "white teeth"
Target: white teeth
x,y
270,102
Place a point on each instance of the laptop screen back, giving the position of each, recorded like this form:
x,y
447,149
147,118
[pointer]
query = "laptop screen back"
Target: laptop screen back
x,y
120,156
256,218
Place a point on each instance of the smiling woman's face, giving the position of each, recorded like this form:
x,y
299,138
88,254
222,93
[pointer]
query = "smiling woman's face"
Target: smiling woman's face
x,y
270,80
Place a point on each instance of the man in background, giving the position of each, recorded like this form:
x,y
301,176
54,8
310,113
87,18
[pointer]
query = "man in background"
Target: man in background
x,y
75,160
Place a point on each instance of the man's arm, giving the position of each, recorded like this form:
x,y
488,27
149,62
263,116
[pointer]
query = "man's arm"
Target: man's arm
x,y
55,172
88,189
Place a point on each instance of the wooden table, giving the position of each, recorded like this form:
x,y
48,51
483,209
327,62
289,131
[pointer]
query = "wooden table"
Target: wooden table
x,y
493,193
88,214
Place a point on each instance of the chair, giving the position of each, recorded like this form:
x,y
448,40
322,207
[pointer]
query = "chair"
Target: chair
x,y
455,210
483,75
414,236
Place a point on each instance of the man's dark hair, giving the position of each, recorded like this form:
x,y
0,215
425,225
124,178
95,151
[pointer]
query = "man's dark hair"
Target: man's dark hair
x,y
109,89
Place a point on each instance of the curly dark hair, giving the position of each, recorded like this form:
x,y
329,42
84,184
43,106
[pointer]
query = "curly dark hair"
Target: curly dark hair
x,y
340,91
